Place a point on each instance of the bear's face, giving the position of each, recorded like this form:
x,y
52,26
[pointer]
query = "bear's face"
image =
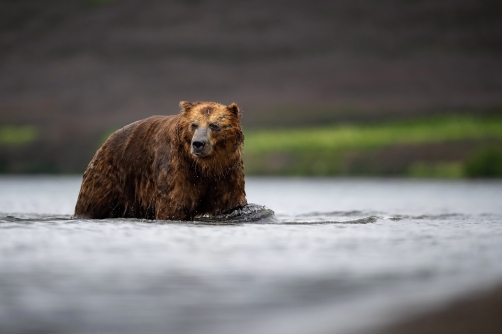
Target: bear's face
x,y
210,129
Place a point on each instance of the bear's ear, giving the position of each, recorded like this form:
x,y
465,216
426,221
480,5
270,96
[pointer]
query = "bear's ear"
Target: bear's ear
x,y
185,106
234,109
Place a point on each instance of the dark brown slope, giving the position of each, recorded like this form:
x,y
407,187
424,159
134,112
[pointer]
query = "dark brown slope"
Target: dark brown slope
x,y
63,60
477,314
78,68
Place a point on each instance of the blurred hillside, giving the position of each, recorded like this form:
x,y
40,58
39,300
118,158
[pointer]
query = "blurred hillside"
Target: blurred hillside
x,y
71,70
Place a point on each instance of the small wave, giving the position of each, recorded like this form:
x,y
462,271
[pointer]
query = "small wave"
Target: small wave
x,y
31,217
365,220
443,216
352,213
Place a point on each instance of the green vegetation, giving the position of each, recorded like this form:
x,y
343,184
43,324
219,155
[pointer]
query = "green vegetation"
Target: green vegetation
x,y
486,162
447,147
445,170
372,136
17,135
377,149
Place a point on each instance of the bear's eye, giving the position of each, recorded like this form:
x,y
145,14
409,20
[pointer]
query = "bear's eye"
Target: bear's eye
x,y
194,126
214,127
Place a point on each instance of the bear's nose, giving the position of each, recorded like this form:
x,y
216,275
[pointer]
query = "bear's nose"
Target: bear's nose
x,y
198,144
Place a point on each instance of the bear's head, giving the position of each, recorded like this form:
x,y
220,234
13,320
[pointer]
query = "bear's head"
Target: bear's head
x,y
210,130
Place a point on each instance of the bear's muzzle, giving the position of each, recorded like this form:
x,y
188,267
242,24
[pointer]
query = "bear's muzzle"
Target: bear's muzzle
x,y
201,144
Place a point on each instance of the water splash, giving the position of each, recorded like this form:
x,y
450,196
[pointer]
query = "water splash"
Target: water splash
x,y
251,213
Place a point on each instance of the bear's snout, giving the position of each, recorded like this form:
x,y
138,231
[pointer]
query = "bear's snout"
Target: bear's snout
x,y
198,145
201,145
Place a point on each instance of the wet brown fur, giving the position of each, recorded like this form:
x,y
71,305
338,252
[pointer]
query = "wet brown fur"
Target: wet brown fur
x,y
146,169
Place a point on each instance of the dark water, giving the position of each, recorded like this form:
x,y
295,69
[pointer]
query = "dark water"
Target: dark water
x,y
338,256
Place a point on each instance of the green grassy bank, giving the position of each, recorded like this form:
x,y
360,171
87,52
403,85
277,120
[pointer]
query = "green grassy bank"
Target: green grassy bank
x,y
446,147
455,146
17,135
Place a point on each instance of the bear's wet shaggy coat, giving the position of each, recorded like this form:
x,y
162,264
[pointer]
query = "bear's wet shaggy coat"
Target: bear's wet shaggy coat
x,y
168,167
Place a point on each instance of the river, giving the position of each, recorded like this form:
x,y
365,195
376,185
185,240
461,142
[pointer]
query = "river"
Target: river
x,y
339,256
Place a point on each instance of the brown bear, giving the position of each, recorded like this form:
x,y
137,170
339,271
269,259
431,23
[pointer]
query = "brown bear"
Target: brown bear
x,y
168,167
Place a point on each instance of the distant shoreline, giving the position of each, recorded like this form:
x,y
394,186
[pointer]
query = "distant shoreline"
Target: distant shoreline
x,y
448,146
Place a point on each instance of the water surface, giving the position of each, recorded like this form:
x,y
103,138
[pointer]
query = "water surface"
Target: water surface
x,y
340,255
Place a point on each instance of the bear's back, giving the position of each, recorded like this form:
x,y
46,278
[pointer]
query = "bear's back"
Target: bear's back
x,y
122,173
